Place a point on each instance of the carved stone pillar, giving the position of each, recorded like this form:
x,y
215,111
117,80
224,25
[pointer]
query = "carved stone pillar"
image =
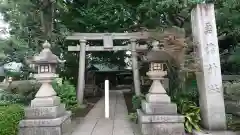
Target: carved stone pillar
x,y
209,80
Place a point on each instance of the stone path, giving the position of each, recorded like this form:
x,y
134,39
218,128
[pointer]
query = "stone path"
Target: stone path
x,y
96,124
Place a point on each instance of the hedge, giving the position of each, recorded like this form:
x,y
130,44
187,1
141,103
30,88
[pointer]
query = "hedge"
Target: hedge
x,y
10,116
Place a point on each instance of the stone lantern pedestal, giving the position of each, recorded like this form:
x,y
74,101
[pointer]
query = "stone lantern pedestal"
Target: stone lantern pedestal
x,y
158,115
46,115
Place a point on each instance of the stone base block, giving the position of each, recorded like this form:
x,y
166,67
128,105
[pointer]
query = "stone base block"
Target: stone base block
x,y
159,108
46,102
45,112
158,98
162,129
205,132
146,118
57,126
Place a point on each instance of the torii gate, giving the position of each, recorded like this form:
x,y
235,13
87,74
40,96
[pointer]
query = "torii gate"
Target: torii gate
x,y
107,46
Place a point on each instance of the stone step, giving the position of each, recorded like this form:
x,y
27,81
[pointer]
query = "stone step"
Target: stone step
x,y
162,128
159,108
44,112
146,118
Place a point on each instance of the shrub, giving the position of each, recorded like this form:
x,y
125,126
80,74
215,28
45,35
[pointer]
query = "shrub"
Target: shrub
x,y
24,87
10,115
232,90
232,94
8,97
133,117
136,104
19,91
67,93
187,103
136,101
189,94
191,113
235,125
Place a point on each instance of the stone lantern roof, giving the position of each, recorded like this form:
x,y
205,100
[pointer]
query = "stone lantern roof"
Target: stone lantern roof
x,y
157,56
46,56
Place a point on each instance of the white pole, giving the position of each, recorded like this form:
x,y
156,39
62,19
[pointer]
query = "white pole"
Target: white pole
x,y
106,98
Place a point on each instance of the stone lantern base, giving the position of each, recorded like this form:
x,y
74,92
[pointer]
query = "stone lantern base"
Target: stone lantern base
x,y
46,116
158,115
160,118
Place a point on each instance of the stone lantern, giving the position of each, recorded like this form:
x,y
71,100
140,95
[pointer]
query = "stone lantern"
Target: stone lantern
x,y
46,63
46,115
158,116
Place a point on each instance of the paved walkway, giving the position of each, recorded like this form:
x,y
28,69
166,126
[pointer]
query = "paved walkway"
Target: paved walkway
x,y
96,124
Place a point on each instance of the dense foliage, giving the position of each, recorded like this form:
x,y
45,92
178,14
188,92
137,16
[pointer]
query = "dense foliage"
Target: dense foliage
x,y
231,96
22,92
7,97
10,116
67,93
191,112
136,101
27,26
232,90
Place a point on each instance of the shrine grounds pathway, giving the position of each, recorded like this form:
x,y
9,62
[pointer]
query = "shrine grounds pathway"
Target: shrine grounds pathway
x,y
95,122
118,124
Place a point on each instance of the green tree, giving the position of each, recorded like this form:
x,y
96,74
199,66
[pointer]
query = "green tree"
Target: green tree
x,y
28,22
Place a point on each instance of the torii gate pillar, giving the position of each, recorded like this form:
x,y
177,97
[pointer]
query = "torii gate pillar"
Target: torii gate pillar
x,y
81,71
135,68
